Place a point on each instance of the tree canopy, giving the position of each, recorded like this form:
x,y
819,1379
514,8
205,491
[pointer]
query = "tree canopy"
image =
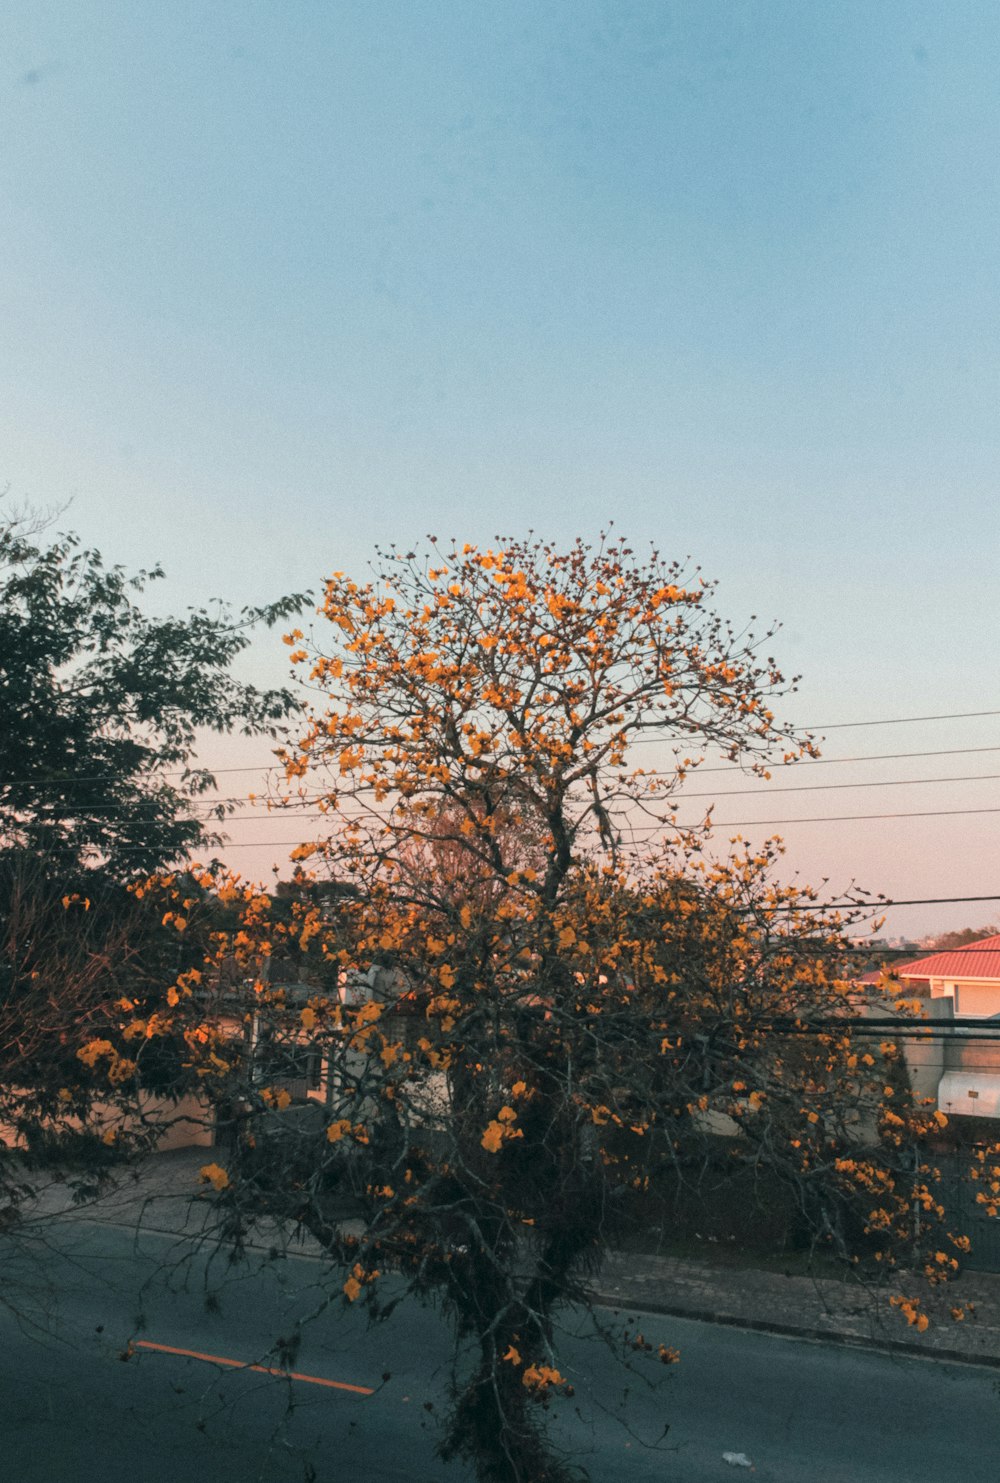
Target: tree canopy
x,y
960,937
101,704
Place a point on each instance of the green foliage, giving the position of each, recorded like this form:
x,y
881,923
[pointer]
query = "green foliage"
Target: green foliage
x,y
963,937
101,704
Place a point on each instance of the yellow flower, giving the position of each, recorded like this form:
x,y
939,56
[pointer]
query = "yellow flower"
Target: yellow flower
x,y
90,1053
538,1377
214,1175
493,1137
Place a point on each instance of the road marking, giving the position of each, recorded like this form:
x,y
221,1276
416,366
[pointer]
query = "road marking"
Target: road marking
x,y
239,1364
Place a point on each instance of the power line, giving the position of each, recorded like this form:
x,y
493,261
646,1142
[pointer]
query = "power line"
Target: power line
x,y
934,813
840,725
634,741
728,793
157,776
102,811
931,901
278,810
889,1029
879,904
900,720
237,800
876,904
968,1028
873,757
979,777
250,844
633,832
840,1021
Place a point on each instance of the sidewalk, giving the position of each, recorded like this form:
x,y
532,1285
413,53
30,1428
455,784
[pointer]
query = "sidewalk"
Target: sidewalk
x,y
159,1195
831,1310
163,1196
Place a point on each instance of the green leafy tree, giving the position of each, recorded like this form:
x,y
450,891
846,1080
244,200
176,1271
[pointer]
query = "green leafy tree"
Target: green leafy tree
x,y
101,706
962,937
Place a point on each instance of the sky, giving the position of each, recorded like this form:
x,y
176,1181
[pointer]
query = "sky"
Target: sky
x,y
281,281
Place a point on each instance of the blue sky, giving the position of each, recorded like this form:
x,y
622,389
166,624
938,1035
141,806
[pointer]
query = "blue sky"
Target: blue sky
x,y
283,280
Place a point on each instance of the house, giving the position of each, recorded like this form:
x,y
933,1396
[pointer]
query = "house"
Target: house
x,y
964,1061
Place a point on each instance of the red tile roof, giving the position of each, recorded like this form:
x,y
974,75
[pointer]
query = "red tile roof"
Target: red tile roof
x,y
977,960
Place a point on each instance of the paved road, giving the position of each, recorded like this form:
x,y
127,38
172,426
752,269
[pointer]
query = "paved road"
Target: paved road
x,y
72,1411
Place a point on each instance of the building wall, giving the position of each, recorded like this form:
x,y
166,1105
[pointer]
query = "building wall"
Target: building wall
x,y
977,999
925,1057
187,1123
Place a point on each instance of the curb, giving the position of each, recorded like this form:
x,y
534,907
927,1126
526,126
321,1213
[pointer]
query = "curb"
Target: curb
x,y
793,1331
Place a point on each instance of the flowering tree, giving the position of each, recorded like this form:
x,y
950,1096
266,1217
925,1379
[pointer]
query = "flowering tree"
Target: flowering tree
x,y
93,1061
532,992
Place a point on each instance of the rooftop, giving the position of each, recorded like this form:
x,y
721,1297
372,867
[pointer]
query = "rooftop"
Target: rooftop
x,y
976,960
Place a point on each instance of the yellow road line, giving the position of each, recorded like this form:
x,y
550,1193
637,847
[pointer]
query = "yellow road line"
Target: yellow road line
x,y
239,1364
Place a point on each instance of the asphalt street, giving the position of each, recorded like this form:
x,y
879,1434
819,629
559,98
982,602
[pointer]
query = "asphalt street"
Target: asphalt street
x,y
93,1388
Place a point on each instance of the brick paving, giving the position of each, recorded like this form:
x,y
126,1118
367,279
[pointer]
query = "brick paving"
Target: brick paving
x,y
163,1196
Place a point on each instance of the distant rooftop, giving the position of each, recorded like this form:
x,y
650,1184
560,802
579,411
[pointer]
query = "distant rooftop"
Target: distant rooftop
x,y
976,960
